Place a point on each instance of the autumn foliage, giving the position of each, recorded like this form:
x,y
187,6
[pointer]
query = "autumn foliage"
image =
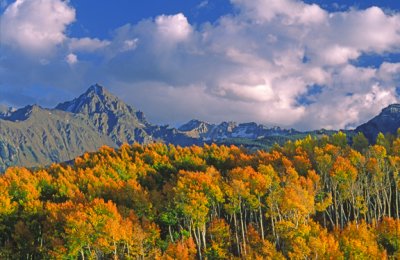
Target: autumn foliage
x,y
309,199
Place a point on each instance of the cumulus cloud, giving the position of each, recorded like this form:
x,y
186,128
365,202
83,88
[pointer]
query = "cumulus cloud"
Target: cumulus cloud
x,y
87,44
36,51
265,57
278,62
287,11
129,44
71,59
36,26
174,28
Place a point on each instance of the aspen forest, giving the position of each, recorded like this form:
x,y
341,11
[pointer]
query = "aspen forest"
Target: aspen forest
x,y
333,197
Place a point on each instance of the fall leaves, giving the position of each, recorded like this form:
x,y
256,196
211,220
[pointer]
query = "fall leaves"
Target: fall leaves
x,y
309,199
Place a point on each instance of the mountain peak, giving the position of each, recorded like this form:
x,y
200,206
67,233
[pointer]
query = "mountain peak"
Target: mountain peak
x,y
194,124
110,115
96,99
100,93
98,90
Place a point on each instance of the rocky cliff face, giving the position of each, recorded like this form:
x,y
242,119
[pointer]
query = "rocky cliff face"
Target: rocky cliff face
x,y
388,121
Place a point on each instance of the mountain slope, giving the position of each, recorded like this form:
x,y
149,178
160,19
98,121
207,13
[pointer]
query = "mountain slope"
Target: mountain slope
x,y
33,136
388,121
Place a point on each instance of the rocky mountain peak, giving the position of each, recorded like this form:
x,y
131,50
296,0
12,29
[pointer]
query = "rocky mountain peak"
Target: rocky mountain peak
x,y
228,126
100,94
195,128
96,100
97,89
193,125
109,114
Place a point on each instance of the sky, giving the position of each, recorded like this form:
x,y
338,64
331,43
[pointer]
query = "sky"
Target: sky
x,y
289,63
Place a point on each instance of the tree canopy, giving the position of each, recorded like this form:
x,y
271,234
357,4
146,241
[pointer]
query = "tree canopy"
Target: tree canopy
x,y
309,199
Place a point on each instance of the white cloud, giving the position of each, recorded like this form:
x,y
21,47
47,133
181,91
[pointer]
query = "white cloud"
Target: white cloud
x,y
389,71
173,28
265,57
372,30
87,44
36,26
336,55
71,59
289,11
130,44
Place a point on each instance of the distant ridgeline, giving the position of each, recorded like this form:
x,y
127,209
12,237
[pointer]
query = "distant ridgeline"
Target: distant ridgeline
x,y
34,136
308,199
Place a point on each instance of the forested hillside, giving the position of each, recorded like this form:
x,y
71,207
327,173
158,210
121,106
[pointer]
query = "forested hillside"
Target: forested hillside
x,y
309,199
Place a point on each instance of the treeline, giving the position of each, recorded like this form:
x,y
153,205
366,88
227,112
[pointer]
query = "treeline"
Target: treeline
x,y
309,199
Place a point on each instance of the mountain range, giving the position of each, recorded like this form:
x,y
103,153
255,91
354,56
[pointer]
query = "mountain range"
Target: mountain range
x,y
32,136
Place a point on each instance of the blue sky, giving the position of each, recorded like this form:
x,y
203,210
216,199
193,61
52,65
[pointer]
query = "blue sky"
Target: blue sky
x,y
128,11
100,18
303,64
